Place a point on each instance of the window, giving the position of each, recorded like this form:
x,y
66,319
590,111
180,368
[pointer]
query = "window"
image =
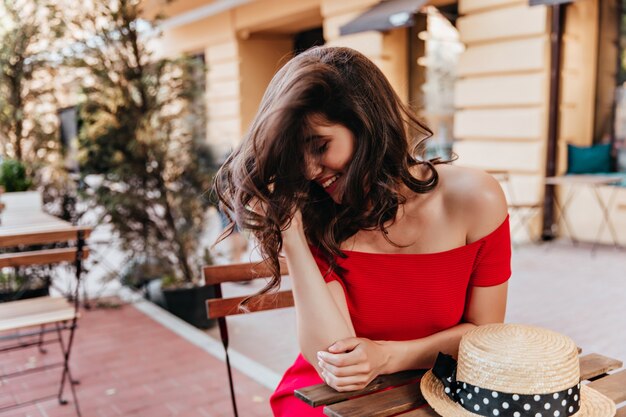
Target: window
x,y
308,39
434,53
68,122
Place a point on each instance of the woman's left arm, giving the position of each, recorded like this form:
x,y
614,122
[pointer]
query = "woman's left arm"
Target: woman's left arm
x,y
352,363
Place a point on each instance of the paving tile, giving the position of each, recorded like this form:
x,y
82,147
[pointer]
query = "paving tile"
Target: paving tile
x,y
30,411
130,365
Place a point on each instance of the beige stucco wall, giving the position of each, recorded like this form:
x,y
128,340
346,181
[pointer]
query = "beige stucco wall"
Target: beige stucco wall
x,y
502,95
223,95
259,60
244,47
389,50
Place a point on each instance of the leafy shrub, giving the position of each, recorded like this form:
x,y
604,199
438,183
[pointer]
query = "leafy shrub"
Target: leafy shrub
x,y
13,176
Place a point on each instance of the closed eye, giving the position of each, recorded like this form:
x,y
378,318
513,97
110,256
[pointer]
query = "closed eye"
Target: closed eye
x,y
321,149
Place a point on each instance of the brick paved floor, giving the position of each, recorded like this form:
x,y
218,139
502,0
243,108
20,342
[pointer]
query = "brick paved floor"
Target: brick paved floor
x,y
129,365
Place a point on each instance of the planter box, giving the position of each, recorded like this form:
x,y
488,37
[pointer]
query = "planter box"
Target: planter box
x,y
23,295
189,304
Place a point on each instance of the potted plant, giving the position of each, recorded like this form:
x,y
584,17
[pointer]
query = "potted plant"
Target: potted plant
x,y
13,176
23,283
186,300
142,144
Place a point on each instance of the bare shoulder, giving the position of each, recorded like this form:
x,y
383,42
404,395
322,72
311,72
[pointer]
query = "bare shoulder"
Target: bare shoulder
x,y
474,197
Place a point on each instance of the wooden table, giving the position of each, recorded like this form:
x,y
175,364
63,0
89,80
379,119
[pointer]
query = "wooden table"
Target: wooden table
x,y
34,227
592,182
405,398
23,225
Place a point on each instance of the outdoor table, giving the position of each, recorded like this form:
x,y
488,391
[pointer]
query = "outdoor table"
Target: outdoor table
x,y
399,394
34,227
593,182
25,225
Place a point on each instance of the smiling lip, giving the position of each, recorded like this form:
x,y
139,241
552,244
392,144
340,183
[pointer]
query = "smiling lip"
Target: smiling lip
x,y
322,181
328,181
332,187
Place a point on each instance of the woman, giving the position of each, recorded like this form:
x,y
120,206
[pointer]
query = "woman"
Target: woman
x,y
392,258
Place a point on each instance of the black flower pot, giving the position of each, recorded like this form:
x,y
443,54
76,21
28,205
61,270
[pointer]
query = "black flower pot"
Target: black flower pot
x,y
189,304
23,294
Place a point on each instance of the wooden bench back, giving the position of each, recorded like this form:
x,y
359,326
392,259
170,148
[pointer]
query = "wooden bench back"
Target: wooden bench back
x,y
41,257
37,234
215,275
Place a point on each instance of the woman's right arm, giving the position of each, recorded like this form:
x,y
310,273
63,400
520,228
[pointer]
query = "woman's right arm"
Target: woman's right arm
x,y
321,309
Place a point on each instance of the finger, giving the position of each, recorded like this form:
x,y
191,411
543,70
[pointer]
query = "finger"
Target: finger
x,y
344,345
342,359
350,388
354,382
359,369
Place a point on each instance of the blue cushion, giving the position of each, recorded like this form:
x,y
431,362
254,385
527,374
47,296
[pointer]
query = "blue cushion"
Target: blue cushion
x,y
588,159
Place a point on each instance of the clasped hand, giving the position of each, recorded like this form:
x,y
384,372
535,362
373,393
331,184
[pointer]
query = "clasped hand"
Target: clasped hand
x,y
351,364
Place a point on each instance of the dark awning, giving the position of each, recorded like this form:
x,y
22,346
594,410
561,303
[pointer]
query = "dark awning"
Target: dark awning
x,y
548,2
386,15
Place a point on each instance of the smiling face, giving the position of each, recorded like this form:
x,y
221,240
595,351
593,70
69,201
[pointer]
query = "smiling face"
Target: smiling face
x,y
330,152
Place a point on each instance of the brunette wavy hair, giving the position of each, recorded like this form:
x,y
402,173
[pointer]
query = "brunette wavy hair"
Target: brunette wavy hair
x,y
346,88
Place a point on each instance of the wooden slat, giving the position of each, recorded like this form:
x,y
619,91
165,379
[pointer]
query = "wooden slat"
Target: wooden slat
x,y
507,57
502,23
594,364
40,257
37,319
425,411
221,307
621,412
467,7
34,312
37,234
322,394
520,157
613,386
215,274
388,403
11,309
507,123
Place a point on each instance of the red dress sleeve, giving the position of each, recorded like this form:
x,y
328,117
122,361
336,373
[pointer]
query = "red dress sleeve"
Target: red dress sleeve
x,y
493,261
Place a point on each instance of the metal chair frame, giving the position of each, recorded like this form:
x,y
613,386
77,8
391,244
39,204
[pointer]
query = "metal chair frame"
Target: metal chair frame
x,y
219,307
58,328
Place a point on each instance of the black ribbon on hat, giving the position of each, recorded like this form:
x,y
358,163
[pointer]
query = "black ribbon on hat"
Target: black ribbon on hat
x,y
490,403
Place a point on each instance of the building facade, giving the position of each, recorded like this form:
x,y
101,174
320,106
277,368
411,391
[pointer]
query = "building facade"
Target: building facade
x,y
481,72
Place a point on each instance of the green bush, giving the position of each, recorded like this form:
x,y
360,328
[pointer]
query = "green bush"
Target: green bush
x,y
13,176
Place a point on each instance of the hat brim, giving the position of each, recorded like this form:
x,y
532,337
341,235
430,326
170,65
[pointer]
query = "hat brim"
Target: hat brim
x,y
593,404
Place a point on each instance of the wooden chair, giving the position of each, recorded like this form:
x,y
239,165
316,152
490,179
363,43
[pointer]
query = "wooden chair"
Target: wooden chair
x,y
219,308
23,322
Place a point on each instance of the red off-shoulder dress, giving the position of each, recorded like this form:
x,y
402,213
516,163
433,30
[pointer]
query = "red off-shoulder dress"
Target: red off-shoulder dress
x,y
403,297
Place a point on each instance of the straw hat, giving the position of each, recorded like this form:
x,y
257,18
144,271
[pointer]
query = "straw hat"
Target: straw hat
x,y
512,370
